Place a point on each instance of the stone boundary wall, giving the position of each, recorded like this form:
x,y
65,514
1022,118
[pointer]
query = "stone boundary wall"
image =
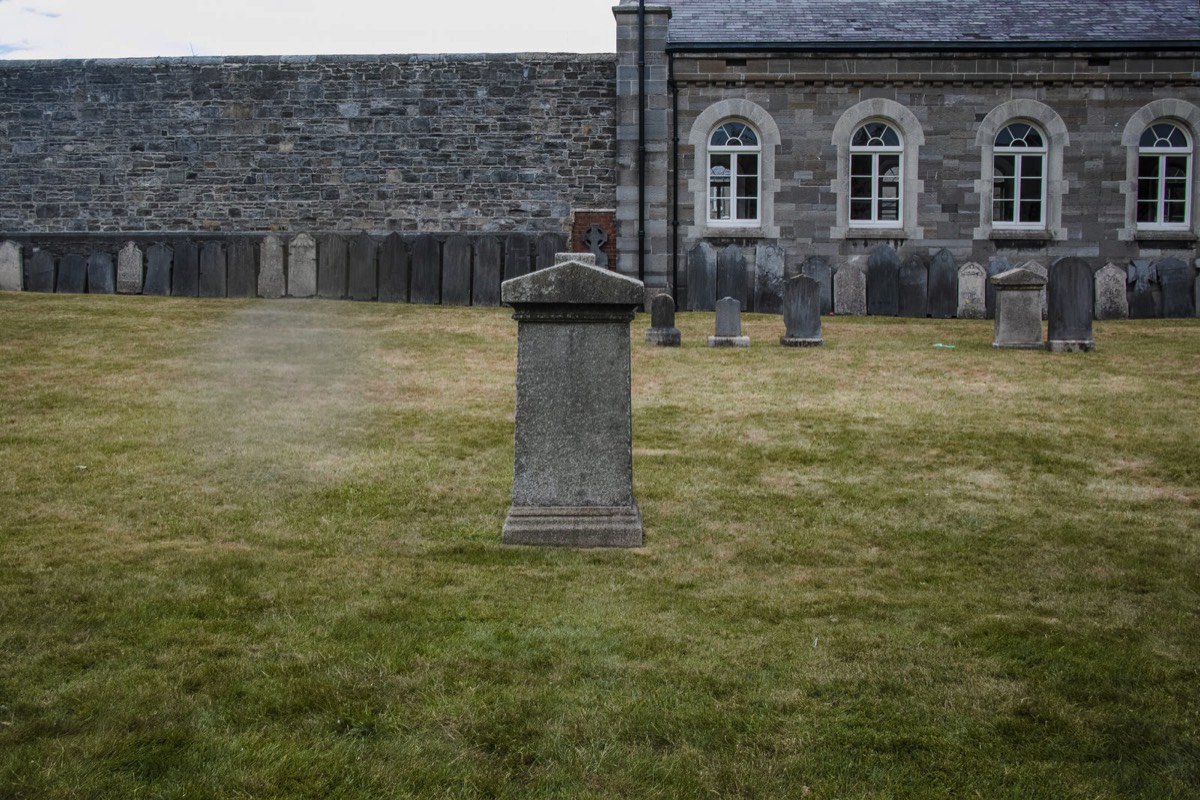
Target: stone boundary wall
x,y
467,143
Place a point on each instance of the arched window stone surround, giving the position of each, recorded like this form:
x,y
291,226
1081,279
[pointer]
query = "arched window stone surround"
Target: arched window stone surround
x,y
768,131
913,137
1055,129
1177,111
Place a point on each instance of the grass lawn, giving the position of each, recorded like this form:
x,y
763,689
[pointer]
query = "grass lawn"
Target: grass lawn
x,y
252,549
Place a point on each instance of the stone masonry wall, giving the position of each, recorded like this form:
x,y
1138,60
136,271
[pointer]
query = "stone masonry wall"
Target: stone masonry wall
x,y
380,143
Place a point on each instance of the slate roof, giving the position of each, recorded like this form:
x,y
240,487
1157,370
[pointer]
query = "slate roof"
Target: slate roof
x,y
830,23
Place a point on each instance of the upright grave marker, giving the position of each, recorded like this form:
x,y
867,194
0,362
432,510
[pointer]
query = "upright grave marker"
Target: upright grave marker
x,y
702,277
768,279
1141,277
331,267
729,325
101,278
185,275
41,277
662,331
883,282
485,283
72,274
393,270
272,281
243,274
972,291
850,289
426,271
1018,310
817,268
1069,321
573,439
456,271
158,270
997,265
213,278
12,276
302,266
363,274
1111,300
516,256
943,285
1176,279
913,284
129,270
731,274
801,312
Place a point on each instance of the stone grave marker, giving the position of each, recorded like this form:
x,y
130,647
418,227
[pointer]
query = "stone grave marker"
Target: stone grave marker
x,y
485,286
702,277
185,274
272,280
549,245
158,270
1175,280
12,271
972,291
731,274
573,437
362,269
1037,269
850,289
997,265
242,271
1110,300
517,255
213,276
72,274
801,312
662,331
41,277
100,276
768,279
332,267
426,271
913,285
1140,278
393,269
302,266
729,325
1070,293
1018,310
130,273
1196,289
883,282
943,285
817,268
594,240
456,271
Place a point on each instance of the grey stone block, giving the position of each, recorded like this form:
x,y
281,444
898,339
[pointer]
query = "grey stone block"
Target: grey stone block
x,y
185,274
943,285
972,291
332,270
72,274
130,272
456,271
913,284
242,269
158,270
101,279
1176,279
883,282
1018,310
42,275
1111,302
850,290
728,331
731,274
272,280
363,270
393,270
817,268
769,267
662,331
302,266
426,271
213,276
489,266
12,271
702,277
1069,321
802,312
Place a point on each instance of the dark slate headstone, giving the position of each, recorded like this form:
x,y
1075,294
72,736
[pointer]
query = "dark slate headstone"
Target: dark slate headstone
x,y
662,331
883,282
768,279
729,325
488,272
39,272
516,256
548,246
364,280
593,241
801,312
213,277
731,274
1176,279
943,286
456,271
158,270
817,268
1143,304
331,267
393,270
702,278
914,288
101,276
998,265
72,274
426,271
185,275
243,271
1070,294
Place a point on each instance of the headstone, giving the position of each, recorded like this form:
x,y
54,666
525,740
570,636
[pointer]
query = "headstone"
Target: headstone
x,y
662,331
363,277
185,274
456,271
272,281
850,290
729,325
913,285
768,279
517,255
817,268
702,277
129,270
594,240
883,282
573,438
1018,309
302,266
972,291
41,277
331,267
1175,279
1140,278
1069,322
213,276
1196,289
1110,298
548,246
801,312
943,285
1037,269
426,271
997,265
731,274
100,276
158,270
243,275
393,270
485,287
72,274
12,272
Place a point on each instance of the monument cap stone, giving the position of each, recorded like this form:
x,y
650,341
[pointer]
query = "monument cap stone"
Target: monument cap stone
x,y
572,283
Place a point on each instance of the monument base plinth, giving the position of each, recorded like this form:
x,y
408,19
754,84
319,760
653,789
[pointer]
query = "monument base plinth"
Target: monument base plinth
x,y
1071,345
793,342
573,526
664,337
729,341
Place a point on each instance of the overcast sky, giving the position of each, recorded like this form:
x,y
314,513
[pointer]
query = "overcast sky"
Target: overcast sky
x,y
36,29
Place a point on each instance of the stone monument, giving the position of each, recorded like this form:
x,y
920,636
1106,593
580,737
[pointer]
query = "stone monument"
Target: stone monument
x,y
1111,301
1070,295
729,325
1018,309
802,312
662,331
12,278
972,291
129,269
573,439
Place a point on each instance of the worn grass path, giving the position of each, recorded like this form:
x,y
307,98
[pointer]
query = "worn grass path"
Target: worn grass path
x,y
251,549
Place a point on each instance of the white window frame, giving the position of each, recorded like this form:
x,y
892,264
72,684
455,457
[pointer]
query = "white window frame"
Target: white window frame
x,y
769,140
1161,154
1020,155
735,154
1186,116
876,198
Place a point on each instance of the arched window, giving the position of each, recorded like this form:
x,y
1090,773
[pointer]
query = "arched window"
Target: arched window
x,y
734,186
1019,177
876,158
1164,174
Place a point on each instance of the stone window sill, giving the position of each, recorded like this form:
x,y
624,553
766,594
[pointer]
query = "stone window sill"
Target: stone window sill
x,y
732,232
1181,235
877,233
1020,235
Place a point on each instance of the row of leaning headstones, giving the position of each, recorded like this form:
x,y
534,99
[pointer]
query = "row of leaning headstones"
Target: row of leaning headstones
x,y
454,270
927,287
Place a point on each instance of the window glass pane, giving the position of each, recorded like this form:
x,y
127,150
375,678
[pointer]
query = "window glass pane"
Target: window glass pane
x,y
1031,189
720,137
1002,211
1175,212
1031,211
747,186
748,137
861,138
1176,166
861,165
860,187
860,210
1031,167
1005,166
1148,191
1147,211
747,209
1163,134
747,164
